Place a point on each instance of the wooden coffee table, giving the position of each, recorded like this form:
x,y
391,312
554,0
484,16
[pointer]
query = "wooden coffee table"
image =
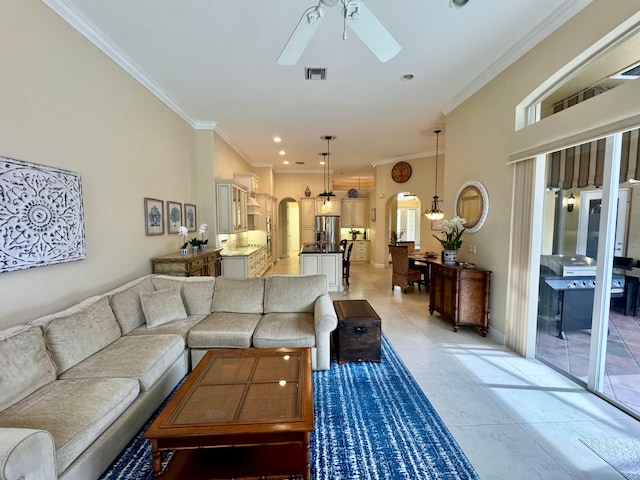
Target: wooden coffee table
x,y
242,413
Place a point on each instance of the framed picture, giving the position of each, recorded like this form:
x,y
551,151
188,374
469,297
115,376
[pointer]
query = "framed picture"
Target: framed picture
x,y
174,216
153,216
190,217
436,224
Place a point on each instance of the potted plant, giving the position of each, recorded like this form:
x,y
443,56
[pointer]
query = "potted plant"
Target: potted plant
x,y
183,232
354,234
452,241
203,243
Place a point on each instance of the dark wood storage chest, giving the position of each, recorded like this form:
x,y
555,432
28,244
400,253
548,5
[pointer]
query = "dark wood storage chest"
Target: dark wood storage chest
x,y
357,337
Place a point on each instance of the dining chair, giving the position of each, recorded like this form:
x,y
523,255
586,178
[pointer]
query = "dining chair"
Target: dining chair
x,y
402,275
346,264
411,244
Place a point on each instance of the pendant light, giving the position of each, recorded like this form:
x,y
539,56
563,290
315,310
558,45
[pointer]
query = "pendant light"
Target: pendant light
x,y
326,206
435,213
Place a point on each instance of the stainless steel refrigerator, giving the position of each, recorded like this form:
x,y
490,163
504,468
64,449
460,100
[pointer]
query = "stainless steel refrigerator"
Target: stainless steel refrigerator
x,y
327,230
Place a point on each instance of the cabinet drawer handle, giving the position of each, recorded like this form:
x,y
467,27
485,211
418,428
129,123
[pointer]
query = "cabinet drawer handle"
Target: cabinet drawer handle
x,y
360,330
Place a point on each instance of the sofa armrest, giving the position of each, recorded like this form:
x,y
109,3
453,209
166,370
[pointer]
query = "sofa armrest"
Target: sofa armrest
x,y
325,321
27,454
324,315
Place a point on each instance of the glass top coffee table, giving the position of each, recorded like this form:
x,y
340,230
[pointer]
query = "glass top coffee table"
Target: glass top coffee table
x,y
241,413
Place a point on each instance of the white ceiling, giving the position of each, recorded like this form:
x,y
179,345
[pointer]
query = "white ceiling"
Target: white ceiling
x,y
214,63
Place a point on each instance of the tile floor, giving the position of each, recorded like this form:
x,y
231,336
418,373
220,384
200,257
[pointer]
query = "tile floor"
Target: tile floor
x,y
515,419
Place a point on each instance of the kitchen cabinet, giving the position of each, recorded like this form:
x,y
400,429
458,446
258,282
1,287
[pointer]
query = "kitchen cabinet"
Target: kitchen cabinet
x,y
354,213
307,221
203,263
360,251
231,207
460,294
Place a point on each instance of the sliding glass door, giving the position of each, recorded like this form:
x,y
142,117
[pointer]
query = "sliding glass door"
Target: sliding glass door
x,y
588,325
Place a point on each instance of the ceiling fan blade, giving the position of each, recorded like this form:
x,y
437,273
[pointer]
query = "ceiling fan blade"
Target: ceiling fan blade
x,y
371,31
301,36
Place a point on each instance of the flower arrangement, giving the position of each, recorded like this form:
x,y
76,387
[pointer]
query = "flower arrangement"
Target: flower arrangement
x,y
453,230
203,228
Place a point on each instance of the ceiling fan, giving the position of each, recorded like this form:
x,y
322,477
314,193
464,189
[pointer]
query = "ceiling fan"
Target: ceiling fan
x,y
357,16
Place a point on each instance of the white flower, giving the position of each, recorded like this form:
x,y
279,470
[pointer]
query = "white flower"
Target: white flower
x,y
183,231
203,228
454,225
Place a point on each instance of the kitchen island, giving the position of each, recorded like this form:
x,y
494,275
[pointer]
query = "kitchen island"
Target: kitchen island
x,y
328,260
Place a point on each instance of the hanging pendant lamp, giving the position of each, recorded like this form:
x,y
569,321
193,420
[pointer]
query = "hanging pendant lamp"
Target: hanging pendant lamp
x,y
435,213
330,193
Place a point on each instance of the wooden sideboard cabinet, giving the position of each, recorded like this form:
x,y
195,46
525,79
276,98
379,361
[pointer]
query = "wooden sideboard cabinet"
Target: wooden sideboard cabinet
x,y
203,263
460,294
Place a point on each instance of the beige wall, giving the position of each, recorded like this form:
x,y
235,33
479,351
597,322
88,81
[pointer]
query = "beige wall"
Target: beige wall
x,y
422,184
481,133
227,161
65,104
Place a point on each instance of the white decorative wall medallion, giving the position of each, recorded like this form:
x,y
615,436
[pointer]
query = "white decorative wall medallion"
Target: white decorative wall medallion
x,y
41,216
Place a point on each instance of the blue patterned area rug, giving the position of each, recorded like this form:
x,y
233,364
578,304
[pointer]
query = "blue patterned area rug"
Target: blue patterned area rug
x,y
372,422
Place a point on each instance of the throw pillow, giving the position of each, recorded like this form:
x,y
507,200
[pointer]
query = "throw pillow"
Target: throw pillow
x,y
162,306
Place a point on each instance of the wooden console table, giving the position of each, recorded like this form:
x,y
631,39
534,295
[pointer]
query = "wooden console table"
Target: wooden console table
x,y
203,263
460,294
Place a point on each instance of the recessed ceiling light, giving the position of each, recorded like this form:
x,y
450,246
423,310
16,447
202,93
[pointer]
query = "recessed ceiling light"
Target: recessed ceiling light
x,y
286,162
282,152
321,162
407,77
277,139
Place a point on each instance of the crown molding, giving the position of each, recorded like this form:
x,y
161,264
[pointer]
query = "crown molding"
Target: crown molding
x,y
553,21
205,125
91,32
403,159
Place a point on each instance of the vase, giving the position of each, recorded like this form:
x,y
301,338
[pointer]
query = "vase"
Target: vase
x,y
354,236
195,249
307,192
185,251
203,247
449,256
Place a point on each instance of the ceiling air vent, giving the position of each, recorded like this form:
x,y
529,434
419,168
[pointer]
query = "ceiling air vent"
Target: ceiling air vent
x,y
315,73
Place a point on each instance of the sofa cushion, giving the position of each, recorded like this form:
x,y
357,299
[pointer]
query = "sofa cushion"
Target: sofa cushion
x,y
26,363
162,306
126,305
197,292
143,357
74,412
76,336
293,293
277,330
239,295
224,330
177,327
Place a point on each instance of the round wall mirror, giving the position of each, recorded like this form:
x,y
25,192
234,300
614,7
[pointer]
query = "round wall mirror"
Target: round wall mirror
x,y
472,204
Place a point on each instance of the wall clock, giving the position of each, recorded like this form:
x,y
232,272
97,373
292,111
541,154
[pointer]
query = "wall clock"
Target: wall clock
x,y
401,172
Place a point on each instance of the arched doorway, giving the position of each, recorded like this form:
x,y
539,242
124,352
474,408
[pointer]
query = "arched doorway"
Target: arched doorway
x,y
289,232
404,212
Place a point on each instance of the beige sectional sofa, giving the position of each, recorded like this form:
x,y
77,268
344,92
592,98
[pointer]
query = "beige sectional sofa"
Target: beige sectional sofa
x,y
76,386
